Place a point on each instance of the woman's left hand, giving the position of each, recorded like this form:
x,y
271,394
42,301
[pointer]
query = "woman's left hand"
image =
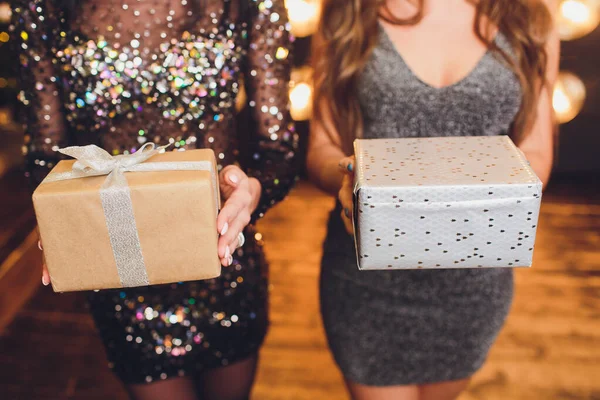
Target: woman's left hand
x,y
241,195
345,195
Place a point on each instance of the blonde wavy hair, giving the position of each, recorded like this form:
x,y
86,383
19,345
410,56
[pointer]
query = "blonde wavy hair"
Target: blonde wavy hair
x,y
348,31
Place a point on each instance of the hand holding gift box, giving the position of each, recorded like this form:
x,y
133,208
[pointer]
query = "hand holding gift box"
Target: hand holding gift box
x,y
446,202
123,221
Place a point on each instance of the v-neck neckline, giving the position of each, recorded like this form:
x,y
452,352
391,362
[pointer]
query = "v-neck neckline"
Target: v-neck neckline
x,y
460,81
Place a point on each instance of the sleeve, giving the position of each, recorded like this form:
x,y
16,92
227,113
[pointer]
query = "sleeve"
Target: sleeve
x,y
40,106
273,159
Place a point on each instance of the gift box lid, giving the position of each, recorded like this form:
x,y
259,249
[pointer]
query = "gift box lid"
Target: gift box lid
x,y
442,169
169,175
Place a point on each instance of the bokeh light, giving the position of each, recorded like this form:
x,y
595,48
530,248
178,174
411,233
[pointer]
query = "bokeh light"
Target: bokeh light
x,y
5,12
301,93
303,16
577,18
568,96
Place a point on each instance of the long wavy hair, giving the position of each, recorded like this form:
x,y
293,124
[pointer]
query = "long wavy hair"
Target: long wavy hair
x,y
348,32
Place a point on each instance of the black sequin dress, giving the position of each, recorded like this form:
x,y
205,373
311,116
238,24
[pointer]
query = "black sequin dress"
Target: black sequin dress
x,y
121,73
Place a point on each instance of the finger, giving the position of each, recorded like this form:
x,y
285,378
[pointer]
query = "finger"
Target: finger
x,y
346,196
45,275
231,177
347,212
348,224
227,215
235,244
239,218
237,200
346,165
227,259
346,200
347,207
230,239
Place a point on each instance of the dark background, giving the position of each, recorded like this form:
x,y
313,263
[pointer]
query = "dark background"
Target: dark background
x,y
579,140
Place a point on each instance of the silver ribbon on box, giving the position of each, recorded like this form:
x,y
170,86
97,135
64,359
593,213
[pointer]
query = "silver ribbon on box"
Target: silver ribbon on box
x,y
116,198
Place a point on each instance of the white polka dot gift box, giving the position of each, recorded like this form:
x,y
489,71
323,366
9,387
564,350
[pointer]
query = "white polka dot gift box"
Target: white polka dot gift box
x,y
447,202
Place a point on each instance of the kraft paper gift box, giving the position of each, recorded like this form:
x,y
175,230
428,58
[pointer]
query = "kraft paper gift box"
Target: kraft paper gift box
x,y
154,224
447,202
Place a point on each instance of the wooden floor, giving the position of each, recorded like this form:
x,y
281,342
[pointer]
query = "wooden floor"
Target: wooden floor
x,y
16,211
549,348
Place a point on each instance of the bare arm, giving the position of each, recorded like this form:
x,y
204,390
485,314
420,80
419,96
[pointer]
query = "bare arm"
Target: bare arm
x,y
324,155
538,144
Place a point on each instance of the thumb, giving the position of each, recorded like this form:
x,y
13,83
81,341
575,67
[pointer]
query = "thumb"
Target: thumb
x,y
346,165
231,177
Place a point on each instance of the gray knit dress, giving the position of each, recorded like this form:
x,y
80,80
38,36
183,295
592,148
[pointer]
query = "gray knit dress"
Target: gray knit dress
x,y
418,326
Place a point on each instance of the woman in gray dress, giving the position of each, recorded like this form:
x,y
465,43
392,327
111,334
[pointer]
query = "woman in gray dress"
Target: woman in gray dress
x,y
402,68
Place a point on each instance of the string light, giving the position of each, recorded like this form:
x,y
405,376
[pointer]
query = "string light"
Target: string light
x,y
577,18
304,16
301,93
568,96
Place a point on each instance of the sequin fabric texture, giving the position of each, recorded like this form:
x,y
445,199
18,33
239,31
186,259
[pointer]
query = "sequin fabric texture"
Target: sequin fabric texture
x,y
122,73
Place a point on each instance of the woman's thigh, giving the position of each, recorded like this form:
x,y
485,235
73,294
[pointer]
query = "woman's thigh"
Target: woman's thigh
x,y
364,392
443,390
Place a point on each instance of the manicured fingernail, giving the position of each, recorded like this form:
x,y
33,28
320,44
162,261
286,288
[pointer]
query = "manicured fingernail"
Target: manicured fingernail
x,y
224,229
44,281
230,260
347,212
233,178
227,257
350,167
40,245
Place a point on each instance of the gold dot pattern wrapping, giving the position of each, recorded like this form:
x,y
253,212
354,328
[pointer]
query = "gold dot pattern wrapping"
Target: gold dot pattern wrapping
x,y
446,202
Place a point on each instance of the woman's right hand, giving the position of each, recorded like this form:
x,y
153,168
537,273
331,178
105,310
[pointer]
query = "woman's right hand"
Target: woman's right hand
x,y
45,274
346,195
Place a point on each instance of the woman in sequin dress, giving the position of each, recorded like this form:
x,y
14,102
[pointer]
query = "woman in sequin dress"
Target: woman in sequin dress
x,y
122,73
397,68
